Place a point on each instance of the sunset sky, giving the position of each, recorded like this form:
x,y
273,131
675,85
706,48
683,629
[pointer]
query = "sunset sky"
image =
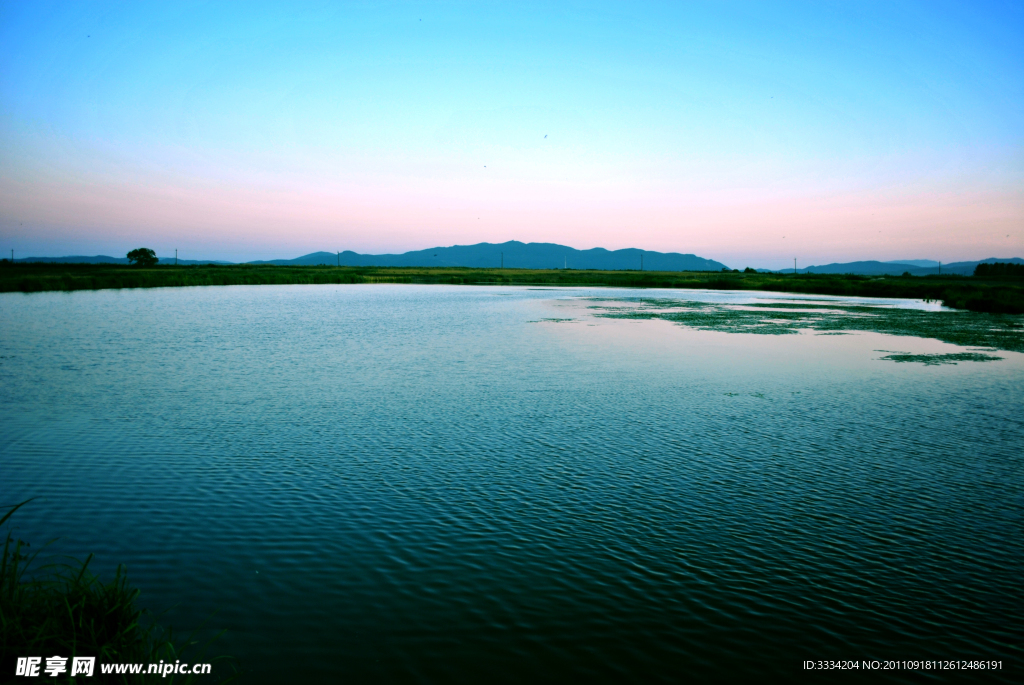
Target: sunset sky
x,y
750,133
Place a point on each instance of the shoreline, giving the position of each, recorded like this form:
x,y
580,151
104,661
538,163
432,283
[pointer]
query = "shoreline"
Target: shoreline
x,y
957,292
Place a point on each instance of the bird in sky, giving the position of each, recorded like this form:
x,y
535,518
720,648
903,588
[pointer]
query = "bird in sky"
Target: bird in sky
x,y
545,135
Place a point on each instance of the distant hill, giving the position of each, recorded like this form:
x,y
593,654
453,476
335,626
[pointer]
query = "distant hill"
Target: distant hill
x,y
967,268
104,259
872,268
924,263
98,259
189,262
868,268
517,255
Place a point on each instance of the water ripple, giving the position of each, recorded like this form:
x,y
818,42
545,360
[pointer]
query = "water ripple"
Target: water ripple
x,y
417,484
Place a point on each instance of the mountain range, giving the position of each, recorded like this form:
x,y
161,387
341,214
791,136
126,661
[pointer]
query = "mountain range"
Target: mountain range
x,y
517,255
913,267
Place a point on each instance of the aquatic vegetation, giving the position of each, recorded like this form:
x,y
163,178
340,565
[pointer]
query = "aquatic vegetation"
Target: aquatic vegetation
x,y
937,359
969,329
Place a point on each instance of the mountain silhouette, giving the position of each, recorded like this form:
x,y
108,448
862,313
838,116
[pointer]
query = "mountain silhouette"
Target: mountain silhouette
x,y
516,255
871,268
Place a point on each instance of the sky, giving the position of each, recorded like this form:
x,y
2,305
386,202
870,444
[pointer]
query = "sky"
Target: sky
x,y
752,133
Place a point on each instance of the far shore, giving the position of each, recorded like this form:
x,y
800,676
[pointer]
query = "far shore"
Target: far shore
x,y
959,292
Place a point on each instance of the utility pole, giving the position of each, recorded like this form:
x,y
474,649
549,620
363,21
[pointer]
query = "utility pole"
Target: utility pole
x,y
794,266
339,258
175,256
565,262
940,263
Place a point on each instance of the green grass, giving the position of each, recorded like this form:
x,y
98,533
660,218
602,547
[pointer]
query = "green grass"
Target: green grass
x,y
960,292
64,609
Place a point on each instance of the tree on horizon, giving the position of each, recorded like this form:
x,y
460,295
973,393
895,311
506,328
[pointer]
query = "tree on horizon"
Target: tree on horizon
x,y
142,256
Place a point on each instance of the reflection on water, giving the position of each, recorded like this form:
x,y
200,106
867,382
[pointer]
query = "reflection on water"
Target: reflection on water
x,y
458,483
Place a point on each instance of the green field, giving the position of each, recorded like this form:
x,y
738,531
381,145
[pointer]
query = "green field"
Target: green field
x,y
960,292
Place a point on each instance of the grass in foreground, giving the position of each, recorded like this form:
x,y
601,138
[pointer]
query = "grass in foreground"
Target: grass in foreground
x,y
66,610
961,292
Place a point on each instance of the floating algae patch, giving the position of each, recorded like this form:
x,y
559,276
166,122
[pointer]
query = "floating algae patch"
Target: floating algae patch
x,y
631,314
964,328
936,359
737,321
640,308
815,307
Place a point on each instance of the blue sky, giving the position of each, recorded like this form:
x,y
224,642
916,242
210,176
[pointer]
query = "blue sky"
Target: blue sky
x,y
744,132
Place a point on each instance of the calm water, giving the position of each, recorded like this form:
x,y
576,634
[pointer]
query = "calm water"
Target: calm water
x,y
436,483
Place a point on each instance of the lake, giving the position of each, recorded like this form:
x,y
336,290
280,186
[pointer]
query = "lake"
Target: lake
x,y
487,484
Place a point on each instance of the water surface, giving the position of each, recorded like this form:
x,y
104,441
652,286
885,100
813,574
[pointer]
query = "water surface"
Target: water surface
x,y
431,483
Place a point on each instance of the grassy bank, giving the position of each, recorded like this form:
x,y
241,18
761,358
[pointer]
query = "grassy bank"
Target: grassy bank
x,y
961,292
65,610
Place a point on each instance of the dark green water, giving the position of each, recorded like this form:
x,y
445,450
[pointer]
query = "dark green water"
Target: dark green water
x,y
459,484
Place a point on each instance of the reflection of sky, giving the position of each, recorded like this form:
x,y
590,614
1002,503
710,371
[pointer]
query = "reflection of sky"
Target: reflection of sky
x,y
750,133
748,297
